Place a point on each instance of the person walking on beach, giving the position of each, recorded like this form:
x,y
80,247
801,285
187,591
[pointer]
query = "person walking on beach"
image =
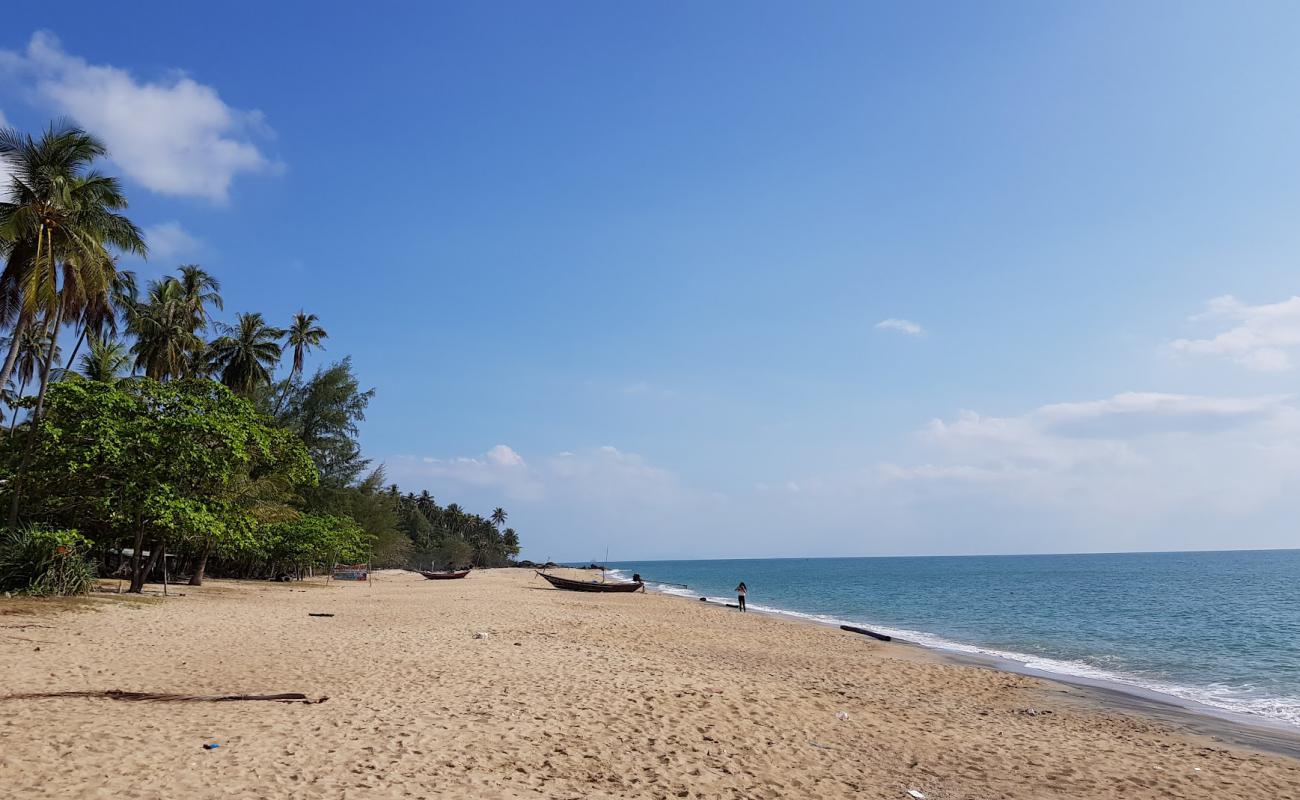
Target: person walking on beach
x,y
741,590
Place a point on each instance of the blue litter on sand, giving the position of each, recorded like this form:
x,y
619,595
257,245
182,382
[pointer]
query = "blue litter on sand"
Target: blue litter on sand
x,y
211,746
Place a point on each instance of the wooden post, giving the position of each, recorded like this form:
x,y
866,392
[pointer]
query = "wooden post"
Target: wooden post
x,y
162,546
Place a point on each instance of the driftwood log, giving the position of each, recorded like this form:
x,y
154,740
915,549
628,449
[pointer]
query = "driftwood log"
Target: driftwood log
x,y
882,637
115,694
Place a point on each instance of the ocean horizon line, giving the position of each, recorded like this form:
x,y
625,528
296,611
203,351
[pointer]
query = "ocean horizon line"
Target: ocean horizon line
x,y
620,560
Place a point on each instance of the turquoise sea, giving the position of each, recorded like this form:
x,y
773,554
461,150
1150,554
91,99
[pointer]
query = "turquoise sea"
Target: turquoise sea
x,y
1220,629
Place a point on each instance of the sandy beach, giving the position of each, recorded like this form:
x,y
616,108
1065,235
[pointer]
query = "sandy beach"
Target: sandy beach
x,y
568,696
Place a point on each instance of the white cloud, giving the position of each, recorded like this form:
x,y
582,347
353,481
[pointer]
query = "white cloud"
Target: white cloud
x,y
901,325
1115,433
174,136
503,456
168,241
499,468
1261,338
1116,472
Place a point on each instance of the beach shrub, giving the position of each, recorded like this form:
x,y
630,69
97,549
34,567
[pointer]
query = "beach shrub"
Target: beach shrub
x,y
315,540
44,563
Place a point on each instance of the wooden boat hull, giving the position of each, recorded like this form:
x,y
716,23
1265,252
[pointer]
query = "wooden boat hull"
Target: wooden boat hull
x,y
569,585
444,576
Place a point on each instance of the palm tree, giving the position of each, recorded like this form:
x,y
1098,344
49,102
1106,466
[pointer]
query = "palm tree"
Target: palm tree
x,y
246,352
32,348
303,335
510,540
426,504
499,516
198,290
61,217
165,336
105,361
168,326
100,317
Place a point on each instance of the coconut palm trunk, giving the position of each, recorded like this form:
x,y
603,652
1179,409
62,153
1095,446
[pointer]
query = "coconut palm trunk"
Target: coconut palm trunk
x,y
20,327
283,394
36,416
49,361
67,367
40,395
22,387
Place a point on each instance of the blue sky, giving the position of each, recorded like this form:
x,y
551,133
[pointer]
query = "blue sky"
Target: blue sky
x,y
623,269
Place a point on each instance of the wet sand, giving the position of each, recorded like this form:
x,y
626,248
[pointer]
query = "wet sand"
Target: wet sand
x,y
568,696
1235,729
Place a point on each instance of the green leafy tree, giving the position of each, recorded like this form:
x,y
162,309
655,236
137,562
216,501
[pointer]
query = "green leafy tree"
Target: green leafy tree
x,y
146,461
374,510
265,493
315,540
452,551
325,413
416,526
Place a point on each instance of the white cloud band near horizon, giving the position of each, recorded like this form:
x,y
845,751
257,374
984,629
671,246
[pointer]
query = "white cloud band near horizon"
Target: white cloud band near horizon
x,y
174,136
905,326
1136,470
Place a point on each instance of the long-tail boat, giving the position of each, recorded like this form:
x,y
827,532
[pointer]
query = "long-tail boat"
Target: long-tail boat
x,y
444,576
570,585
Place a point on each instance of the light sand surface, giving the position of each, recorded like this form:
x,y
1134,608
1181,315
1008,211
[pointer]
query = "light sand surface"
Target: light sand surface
x,y
570,695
